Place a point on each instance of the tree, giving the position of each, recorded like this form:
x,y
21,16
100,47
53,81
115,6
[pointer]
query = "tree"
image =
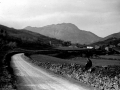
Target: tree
x,y
12,44
67,43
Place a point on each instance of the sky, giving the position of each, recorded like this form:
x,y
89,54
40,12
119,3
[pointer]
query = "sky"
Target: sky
x,y
101,17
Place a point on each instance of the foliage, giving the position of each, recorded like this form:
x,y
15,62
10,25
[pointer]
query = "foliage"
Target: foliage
x,y
67,43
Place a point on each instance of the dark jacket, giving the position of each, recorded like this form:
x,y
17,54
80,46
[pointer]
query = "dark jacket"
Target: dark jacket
x,y
88,64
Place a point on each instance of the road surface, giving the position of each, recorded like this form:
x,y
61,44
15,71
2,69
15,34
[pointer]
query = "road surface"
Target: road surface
x,y
38,79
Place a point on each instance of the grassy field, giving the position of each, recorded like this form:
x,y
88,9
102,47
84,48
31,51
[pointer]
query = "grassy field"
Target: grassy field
x,y
116,57
97,78
77,60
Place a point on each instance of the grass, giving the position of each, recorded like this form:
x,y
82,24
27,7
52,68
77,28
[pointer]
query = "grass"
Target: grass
x,y
77,60
45,58
115,57
111,71
53,60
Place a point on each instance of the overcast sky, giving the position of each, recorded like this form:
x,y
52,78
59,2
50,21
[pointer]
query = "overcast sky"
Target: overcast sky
x,y
101,17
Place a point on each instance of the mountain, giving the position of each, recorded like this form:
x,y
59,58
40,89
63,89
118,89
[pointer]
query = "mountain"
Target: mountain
x,y
112,39
66,32
114,35
25,39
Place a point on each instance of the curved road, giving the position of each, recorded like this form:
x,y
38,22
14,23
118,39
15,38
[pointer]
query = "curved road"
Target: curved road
x,y
38,79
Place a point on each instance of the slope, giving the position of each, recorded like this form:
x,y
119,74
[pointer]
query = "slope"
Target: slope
x,y
26,39
113,39
67,32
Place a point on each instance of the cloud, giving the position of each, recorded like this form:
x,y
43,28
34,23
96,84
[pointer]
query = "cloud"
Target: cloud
x,y
86,14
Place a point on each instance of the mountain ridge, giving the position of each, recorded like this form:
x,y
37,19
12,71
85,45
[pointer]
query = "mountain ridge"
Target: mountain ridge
x,y
112,39
27,39
67,32
114,35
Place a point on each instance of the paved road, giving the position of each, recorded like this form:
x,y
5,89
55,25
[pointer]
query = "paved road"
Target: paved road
x,y
38,79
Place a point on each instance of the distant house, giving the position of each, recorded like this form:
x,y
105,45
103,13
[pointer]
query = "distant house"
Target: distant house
x,y
107,48
89,47
97,47
73,46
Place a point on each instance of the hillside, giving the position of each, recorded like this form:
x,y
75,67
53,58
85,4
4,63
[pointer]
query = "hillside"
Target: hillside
x,y
12,40
26,39
114,35
67,32
112,39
